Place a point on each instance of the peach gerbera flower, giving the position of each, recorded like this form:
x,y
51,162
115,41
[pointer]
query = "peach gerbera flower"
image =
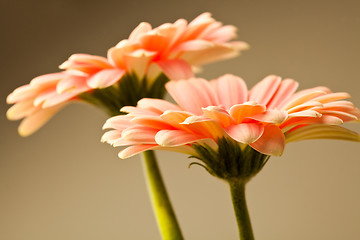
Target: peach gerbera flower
x,y
133,69
264,118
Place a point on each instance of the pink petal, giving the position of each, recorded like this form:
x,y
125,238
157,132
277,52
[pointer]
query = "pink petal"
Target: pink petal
x,y
215,53
271,116
194,45
133,150
70,82
119,122
245,132
111,136
174,118
208,128
135,111
249,109
33,122
140,134
321,131
173,138
157,106
116,54
272,141
105,78
222,116
21,110
305,106
302,98
332,97
48,79
264,90
176,69
151,122
346,117
192,94
138,62
231,90
140,30
21,94
286,89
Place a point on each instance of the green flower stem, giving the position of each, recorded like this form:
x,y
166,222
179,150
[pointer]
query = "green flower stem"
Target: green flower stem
x,y
237,189
164,213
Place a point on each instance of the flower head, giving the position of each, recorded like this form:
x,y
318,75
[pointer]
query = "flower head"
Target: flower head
x,y
208,113
135,68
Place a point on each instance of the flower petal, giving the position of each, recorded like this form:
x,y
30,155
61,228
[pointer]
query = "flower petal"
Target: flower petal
x,y
321,131
192,94
263,91
222,116
173,138
33,122
105,78
133,150
271,116
248,109
231,90
245,132
271,142
285,90
176,69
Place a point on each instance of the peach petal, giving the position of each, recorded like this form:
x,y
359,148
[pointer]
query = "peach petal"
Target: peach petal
x,y
194,45
305,106
263,91
140,134
47,79
248,109
231,90
272,141
116,54
21,110
119,122
152,122
301,99
271,116
192,94
245,132
158,106
21,93
174,118
219,114
33,122
139,31
320,131
138,62
332,97
176,69
133,150
134,111
346,117
215,53
208,128
173,138
111,136
70,82
105,78
285,90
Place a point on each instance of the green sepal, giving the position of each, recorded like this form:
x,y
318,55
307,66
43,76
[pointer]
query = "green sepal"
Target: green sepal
x,y
230,161
126,92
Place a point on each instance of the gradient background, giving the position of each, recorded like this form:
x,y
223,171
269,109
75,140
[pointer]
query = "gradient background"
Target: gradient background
x,y
62,183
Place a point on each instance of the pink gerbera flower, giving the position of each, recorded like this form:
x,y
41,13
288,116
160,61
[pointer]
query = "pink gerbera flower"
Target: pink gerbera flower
x,y
135,68
263,118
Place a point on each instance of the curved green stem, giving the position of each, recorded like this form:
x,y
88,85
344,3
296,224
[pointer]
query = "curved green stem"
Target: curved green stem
x,y
165,216
237,189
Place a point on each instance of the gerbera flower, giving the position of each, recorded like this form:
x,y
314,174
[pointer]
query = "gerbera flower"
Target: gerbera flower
x,y
135,68
264,117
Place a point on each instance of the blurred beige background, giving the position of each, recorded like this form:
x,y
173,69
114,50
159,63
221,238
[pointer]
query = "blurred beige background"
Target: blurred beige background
x,y
62,183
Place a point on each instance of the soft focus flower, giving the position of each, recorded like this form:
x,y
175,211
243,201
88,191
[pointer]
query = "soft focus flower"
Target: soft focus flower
x,y
133,69
264,118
